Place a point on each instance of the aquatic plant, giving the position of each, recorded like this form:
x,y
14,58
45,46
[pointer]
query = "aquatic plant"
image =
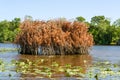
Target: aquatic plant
x,y
37,69
8,49
104,71
54,37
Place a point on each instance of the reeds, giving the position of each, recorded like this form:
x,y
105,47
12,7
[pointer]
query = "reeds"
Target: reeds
x,y
54,37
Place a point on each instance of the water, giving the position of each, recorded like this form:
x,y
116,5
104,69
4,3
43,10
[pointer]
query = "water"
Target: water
x,y
110,53
97,54
7,45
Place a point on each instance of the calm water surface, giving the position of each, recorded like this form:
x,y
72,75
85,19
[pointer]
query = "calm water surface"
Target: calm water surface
x,y
110,53
97,53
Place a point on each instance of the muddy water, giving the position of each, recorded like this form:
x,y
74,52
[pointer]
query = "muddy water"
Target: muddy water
x,y
98,53
10,72
73,60
84,61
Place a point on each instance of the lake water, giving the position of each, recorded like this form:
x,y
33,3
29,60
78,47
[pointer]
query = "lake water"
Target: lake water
x,y
97,54
110,53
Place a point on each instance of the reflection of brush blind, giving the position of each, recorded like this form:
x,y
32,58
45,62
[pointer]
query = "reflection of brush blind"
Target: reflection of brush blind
x,y
54,37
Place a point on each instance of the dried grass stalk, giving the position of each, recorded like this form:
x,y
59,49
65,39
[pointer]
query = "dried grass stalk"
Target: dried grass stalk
x,y
54,37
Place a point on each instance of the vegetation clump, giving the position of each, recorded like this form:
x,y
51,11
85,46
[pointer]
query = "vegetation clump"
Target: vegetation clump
x,y
7,49
53,37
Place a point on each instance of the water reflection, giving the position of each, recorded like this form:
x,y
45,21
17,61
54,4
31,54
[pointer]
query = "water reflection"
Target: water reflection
x,y
74,60
98,53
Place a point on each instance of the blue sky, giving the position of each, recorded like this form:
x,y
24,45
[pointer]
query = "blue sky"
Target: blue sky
x,y
50,9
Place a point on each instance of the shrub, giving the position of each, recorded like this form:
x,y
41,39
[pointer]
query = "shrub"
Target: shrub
x,y
54,37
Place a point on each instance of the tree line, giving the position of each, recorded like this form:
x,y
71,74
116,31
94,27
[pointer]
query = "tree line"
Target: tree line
x,y
9,30
103,30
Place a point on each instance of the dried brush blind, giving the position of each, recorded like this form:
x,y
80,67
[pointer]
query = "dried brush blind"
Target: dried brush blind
x,y
54,37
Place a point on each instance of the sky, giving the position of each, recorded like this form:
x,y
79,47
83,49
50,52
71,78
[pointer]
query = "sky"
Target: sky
x,y
51,9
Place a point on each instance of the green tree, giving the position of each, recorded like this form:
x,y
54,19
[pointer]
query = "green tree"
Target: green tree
x,y
4,30
9,29
116,32
14,23
101,29
117,23
80,18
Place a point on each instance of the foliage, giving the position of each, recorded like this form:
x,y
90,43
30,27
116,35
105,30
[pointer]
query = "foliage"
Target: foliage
x,y
54,37
9,29
117,23
80,18
102,30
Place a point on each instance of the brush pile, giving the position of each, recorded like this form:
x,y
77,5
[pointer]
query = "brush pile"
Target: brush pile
x,y
54,37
